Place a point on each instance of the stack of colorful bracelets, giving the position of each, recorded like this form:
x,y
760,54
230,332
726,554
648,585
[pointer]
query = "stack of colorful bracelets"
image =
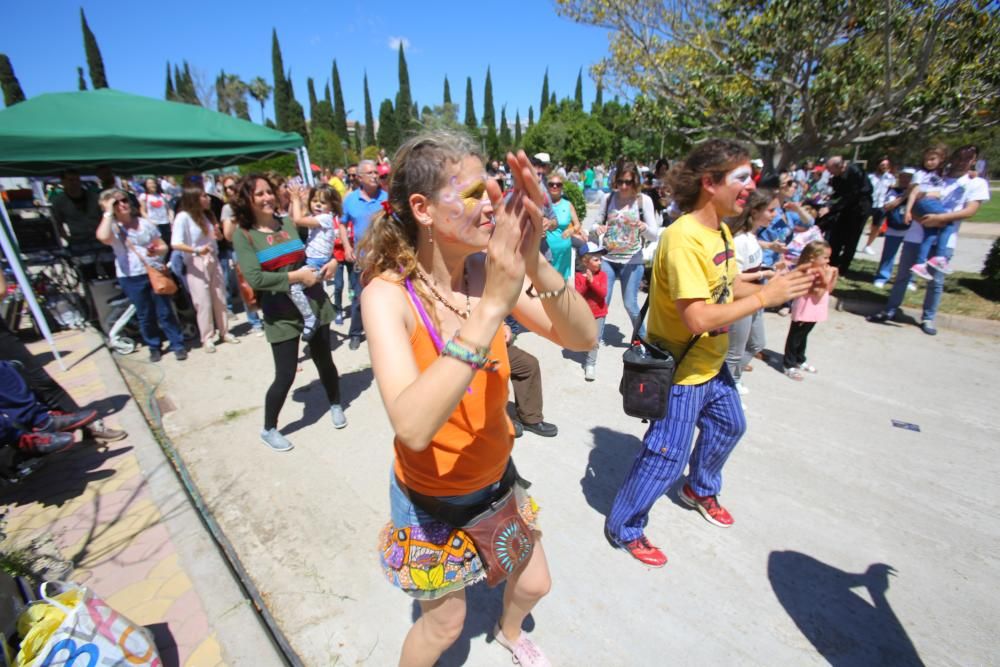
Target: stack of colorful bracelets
x,y
458,348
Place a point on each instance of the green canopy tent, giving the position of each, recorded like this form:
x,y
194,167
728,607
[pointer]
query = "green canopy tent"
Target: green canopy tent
x,y
128,133
131,134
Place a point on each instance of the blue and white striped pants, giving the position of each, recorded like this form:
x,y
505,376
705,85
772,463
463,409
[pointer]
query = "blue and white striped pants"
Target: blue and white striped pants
x,y
714,407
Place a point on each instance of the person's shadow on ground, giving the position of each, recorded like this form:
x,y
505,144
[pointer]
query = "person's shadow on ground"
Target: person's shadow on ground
x,y
62,476
482,611
316,404
846,629
610,459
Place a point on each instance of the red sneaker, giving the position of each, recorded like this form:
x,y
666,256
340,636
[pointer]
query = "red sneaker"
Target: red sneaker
x,y
708,506
69,421
645,553
39,443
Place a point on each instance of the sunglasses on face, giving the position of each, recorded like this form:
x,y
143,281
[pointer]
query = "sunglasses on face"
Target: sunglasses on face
x,y
625,181
555,184
121,201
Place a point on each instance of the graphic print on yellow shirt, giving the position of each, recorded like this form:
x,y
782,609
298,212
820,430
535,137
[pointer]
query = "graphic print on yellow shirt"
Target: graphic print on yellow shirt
x,y
691,262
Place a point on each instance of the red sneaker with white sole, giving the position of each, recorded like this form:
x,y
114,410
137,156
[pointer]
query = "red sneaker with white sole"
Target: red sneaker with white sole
x,y
708,506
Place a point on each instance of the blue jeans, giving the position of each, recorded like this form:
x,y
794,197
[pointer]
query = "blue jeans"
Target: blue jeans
x,y
20,409
890,246
933,236
714,407
338,284
155,312
631,278
229,286
357,328
932,299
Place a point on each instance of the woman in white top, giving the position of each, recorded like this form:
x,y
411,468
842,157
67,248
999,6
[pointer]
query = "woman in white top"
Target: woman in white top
x,y
153,206
628,221
746,335
194,235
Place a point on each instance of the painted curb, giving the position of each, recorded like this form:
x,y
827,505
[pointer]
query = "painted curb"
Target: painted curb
x,y
973,325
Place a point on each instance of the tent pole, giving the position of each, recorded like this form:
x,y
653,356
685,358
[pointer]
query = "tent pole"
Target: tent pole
x,y
22,280
308,166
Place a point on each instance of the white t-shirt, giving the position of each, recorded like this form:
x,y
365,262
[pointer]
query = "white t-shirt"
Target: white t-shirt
x,y
127,265
187,231
749,254
956,193
156,208
227,213
319,244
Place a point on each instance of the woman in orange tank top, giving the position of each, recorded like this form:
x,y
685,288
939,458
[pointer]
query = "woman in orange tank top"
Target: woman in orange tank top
x,y
444,263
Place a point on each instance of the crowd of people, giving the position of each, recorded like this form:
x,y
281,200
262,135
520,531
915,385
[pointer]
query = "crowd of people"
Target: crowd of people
x,y
436,249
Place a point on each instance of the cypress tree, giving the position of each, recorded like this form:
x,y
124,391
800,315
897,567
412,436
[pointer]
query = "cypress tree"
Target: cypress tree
x,y
552,99
281,96
357,137
404,100
531,117
504,141
489,115
517,129
326,93
81,83
170,94
339,110
578,94
190,94
311,87
447,91
221,98
94,60
545,95
598,98
470,109
12,93
296,114
388,131
369,118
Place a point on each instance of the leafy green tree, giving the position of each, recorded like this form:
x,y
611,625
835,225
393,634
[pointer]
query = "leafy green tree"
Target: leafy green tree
x,y
569,135
489,118
505,142
339,110
545,94
578,93
325,147
531,117
282,97
184,85
796,79
169,94
81,83
443,117
517,129
598,97
574,194
311,89
12,93
404,102
221,101
94,60
388,132
470,109
323,116
260,90
296,114
369,118
447,92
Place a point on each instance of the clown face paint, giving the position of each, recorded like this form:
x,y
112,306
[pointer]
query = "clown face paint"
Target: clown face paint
x,y
740,176
463,207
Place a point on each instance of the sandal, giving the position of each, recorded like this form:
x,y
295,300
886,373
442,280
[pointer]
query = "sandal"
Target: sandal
x,y
794,374
808,369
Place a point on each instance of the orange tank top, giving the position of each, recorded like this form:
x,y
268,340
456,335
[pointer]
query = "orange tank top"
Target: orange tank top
x,y
470,451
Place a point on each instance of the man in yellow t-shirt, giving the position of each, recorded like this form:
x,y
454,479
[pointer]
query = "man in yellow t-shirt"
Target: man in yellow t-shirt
x,y
692,262
695,289
337,182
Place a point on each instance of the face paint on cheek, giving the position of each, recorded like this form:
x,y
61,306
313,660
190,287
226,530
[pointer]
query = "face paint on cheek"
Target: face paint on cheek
x,y
739,176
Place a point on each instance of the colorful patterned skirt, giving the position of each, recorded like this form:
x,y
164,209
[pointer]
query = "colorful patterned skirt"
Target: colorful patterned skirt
x,y
428,559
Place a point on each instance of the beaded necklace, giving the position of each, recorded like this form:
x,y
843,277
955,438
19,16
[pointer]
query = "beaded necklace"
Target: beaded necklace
x,y
445,302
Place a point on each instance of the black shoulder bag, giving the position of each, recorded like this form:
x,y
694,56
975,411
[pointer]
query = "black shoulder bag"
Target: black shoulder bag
x,y
649,370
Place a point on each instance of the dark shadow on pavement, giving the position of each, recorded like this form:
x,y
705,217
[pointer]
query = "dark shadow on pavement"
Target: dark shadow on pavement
x,y
613,336
166,646
578,357
610,459
109,405
482,611
846,629
313,396
64,476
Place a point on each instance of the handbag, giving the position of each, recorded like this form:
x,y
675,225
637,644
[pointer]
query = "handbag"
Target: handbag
x,y
502,538
648,372
159,278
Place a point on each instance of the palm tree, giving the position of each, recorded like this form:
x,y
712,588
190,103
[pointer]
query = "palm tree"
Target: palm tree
x,y
260,90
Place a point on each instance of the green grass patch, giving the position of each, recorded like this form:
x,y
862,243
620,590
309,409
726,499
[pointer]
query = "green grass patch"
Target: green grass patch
x,y
989,211
967,294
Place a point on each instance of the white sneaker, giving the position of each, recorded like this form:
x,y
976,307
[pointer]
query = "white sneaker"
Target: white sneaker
x,y
209,346
589,373
741,389
525,652
879,284
911,287
231,339
869,250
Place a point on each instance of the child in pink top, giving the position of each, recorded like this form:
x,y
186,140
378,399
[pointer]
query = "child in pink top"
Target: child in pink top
x,y
809,309
592,283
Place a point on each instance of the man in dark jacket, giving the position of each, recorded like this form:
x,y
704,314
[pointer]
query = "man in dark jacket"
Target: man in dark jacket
x,y
850,208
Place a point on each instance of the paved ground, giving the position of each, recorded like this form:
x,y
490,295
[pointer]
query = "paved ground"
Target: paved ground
x,y
115,519
855,542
